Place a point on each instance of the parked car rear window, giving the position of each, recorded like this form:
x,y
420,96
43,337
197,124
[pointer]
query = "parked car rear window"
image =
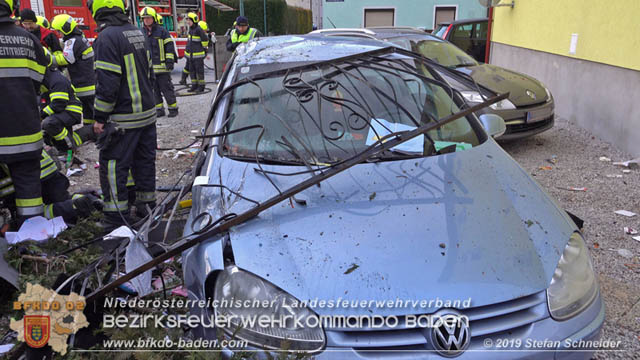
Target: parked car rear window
x,y
440,30
333,112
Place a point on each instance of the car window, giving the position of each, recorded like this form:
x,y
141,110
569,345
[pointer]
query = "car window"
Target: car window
x,y
462,31
331,113
480,30
440,30
442,53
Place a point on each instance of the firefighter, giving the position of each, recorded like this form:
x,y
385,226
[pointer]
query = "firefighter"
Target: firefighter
x,y
195,52
22,67
47,37
242,33
55,195
61,109
162,54
77,56
124,112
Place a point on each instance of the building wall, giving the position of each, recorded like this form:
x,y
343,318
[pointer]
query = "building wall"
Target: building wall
x,y
305,4
419,13
597,86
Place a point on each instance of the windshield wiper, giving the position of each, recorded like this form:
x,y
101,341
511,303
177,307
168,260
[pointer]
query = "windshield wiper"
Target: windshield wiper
x,y
266,160
460,65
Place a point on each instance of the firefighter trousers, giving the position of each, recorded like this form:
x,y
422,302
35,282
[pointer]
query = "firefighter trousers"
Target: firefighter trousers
x,y
164,87
87,109
59,127
196,70
135,151
25,175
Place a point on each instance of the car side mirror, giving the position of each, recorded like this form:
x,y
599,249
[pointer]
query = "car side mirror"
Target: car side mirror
x,y
493,124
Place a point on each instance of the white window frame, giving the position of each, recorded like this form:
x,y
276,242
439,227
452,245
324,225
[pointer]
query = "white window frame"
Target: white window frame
x,y
435,7
395,13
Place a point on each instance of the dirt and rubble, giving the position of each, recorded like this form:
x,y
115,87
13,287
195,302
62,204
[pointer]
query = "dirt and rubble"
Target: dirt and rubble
x,y
565,161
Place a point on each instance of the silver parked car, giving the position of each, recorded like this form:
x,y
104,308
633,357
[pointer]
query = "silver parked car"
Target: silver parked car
x,y
445,224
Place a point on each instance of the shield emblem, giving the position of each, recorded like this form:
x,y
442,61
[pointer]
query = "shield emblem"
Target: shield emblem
x,y
36,330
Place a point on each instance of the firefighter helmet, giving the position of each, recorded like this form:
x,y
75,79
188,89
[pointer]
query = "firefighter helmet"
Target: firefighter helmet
x,y
96,6
159,19
203,25
42,21
9,4
63,23
193,16
149,12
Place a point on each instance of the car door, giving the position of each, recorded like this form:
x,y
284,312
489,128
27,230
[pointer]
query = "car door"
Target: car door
x,y
479,41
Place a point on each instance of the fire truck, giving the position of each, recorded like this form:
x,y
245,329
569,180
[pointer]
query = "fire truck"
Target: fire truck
x,y
174,14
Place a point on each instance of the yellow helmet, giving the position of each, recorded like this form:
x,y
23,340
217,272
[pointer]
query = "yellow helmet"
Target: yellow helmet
x,y
149,12
193,16
96,5
63,23
48,55
42,21
159,19
203,25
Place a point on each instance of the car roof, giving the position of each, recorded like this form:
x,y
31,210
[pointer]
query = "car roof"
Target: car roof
x,y
383,32
464,21
303,49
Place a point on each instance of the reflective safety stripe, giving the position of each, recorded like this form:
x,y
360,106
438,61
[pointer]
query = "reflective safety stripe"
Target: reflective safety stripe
x,y
74,108
173,106
48,211
133,116
170,56
59,59
103,106
159,68
145,196
22,68
132,80
198,55
159,106
76,196
61,135
161,46
114,204
88,121
130,181
44,172
108,66
137,124
30,210
87,53
77,139
48,110
194,38
5,181
7,191
168,40
186,53
29,202
16,149
185,71
20,140
86,90
59,95
44,161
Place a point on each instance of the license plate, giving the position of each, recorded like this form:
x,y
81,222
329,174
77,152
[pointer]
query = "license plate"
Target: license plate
x,y
538,115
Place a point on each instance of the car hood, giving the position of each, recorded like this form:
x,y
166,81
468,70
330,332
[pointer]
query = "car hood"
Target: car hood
x,y
470,224
500,80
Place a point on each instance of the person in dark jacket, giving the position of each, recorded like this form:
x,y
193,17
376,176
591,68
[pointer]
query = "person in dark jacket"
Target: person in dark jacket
x,y
47,37
77,56
242,33
61,110
162,54
55,195
195,52
22,67
125,111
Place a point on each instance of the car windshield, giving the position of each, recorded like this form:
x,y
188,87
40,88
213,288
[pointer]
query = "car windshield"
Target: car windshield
x,y
443,53
331,112
440,30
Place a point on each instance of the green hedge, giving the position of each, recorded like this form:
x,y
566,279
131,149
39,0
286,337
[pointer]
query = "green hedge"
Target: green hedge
x,y
281,18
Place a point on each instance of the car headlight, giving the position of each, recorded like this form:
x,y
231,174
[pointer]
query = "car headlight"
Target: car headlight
x,y
475,97
574,284
264,315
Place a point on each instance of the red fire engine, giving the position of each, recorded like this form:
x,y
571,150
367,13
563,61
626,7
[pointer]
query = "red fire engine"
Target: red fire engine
x,y
174,14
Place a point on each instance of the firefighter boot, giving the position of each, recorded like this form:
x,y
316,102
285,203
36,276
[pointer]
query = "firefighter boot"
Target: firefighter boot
x,y
159,112
183,81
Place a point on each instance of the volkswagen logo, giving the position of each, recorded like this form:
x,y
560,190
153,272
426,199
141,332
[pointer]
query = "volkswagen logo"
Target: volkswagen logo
x,y
531,94
450,335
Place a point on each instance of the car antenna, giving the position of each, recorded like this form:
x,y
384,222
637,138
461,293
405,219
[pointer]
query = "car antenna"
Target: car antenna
x,y
334,25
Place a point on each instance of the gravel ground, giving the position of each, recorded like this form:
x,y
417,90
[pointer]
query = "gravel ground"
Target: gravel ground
x,y
578,165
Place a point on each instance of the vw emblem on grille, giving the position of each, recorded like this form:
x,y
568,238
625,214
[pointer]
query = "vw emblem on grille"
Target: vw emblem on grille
x,y
450,336
531,94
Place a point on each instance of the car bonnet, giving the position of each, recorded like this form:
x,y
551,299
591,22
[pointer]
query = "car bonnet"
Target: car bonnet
x,y
469,224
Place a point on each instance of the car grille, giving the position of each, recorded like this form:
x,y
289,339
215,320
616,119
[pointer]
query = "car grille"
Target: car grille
x,y
516,128
511,318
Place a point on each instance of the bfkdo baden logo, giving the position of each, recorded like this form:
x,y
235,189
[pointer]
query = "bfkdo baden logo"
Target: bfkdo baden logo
x,y
49,318
36,330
